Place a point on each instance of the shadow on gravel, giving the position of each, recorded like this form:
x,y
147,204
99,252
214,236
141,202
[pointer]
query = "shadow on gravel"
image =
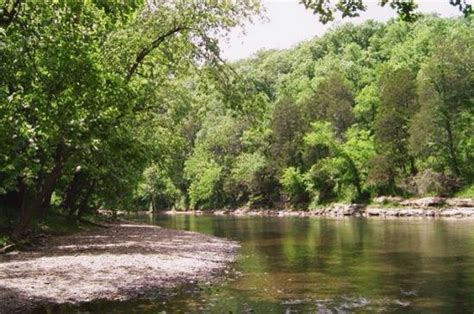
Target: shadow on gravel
x,y
117,263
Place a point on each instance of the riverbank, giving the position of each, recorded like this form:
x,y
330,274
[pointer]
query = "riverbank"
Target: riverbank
x,y
435,207
120,262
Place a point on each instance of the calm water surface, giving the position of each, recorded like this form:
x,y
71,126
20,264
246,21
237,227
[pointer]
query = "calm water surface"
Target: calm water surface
x,y
328,266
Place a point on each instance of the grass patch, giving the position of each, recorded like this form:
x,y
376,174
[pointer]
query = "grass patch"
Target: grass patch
x,y
55,223
467,191
4,240
58,224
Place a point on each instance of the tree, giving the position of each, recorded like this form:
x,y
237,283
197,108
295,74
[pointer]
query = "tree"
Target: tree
x,y
446,96
346,163
367,104
287,131
406,10
294,185
77,76
209,167
332,102
397,93
57,102
247,176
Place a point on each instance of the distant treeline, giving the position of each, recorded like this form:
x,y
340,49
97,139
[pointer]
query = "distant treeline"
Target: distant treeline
x,y
366,110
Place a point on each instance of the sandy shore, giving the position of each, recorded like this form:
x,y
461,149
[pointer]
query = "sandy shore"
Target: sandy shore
x,y
118,263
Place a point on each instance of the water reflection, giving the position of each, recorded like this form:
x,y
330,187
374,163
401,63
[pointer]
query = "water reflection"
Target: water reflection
x,y
331,265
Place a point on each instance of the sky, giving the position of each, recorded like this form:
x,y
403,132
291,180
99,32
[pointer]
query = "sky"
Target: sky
x,y
287,23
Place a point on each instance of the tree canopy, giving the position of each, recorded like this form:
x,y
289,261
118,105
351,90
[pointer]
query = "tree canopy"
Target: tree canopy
x,y
406,9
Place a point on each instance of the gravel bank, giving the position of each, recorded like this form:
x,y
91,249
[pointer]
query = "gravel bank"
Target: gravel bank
x,y
118,263
434,207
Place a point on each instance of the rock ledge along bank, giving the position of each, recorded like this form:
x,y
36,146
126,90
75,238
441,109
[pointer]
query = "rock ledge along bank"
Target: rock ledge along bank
x,y
381,207
121,262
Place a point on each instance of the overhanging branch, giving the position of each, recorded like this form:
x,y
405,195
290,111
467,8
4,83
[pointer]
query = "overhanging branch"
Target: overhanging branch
x,y
147,50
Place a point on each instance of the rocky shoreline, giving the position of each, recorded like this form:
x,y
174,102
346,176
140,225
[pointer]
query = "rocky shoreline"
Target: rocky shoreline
x,y
120,262
434,207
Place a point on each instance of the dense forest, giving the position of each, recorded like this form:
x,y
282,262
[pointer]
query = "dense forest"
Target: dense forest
x,y
124,107
365,110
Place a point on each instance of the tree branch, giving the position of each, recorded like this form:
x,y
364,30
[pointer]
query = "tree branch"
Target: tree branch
x,y
147,50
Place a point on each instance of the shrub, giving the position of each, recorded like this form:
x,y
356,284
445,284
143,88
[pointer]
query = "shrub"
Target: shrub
x,y
294,185
430,182
467,191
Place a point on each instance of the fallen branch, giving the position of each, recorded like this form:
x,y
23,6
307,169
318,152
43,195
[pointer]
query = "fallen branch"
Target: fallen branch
x,y
7,248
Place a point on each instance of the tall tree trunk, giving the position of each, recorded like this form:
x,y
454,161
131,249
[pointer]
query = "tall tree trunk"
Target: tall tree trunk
x,y
46,202
452,149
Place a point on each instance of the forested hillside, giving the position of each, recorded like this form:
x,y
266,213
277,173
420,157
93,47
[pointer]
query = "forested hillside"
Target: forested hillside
x,y
120,107
365,110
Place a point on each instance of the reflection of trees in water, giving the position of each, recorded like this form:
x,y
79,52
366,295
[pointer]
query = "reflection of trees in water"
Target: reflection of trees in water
x,y
419,264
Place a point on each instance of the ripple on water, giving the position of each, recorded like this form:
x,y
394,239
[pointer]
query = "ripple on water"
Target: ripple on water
x,y
345,304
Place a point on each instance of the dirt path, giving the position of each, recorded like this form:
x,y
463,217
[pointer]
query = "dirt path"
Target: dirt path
x,y
118,263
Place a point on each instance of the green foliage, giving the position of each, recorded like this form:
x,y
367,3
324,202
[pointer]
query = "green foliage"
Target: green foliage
x,y
334,119
85,90
293,183
446,98
247,170
397,92
157,189
4,240
467,191
406,10
345,165
205,178
106,105
287,126
367,103
333,102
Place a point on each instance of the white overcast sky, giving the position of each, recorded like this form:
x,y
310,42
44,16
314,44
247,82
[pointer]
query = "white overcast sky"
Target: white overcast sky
x,y
288,23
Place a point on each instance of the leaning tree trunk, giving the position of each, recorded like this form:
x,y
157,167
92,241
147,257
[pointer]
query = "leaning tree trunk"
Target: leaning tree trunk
x,y
43,209
42,197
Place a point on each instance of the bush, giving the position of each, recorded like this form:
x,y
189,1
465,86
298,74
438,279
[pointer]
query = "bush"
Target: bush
x,y
4,240
203,192
294,185
467,191
430,182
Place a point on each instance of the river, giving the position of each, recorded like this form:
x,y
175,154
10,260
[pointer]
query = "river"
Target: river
x,y
328,266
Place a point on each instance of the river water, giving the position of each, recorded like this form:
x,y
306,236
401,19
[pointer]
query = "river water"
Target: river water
x,y
290,265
